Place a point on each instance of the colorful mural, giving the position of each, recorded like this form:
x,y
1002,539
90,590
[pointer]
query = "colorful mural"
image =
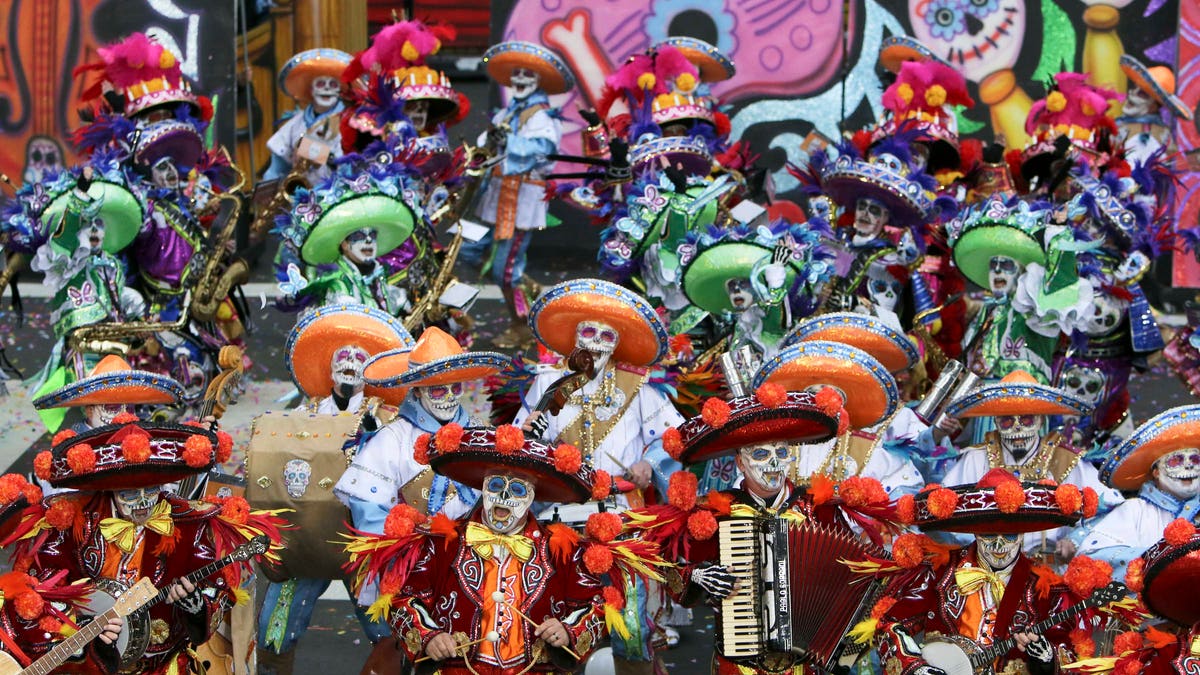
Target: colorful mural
x,y
1187,269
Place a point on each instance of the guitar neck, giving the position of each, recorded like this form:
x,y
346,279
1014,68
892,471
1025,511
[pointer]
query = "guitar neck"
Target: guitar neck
x,y
69,646
198,575
991,653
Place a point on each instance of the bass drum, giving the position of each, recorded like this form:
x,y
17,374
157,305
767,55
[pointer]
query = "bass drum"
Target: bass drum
x,y
135,635
600,662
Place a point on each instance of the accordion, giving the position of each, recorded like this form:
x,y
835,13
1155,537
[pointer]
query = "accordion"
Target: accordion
x,y
795,595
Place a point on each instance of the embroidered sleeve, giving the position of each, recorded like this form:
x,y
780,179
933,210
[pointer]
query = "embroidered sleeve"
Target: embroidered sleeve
x,y
412,615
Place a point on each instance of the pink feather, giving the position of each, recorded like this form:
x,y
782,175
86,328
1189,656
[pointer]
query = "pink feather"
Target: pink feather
x,y
626,77
670,63
136,59
387,49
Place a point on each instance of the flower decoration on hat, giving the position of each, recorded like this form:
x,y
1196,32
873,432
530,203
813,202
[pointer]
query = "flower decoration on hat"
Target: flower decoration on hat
x,y
924,97
997,504
1076,111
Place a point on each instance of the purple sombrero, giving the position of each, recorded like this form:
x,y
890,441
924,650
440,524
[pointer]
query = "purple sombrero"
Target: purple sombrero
x,y
691,152
476,454
175,139
846,179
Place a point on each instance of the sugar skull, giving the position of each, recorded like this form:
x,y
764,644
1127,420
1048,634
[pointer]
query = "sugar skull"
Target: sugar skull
x,y
359,246
1019,434
598,338
506,502
523,82
978,37
43,155
1084,383
1108,313
1002,275
347,368
136,505
325,91
1178,473
764,467
296,475
883,288
441,400
870,217
741,294
999,551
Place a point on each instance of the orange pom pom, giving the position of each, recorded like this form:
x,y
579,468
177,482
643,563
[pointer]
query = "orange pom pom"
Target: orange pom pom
x,y
1129,641
197,451
821,489
1082,643
135,448
907,550
1128,666
598,559
236,510
1135,574
12,487
63,435
1178,532
1010,496
49,624
942,502
224,447
682,489
906,509
771,395
130,418
1084,575
673,442
720,503
602,486
61,514
860,491
421,449
828,401
411,513
29,605
715,413
1069,498
33,493
82,458
398,524
43,464
604,527
702,525
614,598
509,439
449,437
567,458
1091,502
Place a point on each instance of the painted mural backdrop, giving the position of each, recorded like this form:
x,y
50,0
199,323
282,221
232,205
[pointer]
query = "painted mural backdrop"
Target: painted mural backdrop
x,y
1187,270
42,41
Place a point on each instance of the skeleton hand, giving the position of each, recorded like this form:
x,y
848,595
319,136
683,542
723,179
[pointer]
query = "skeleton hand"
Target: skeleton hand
x,y
1036,646
185,595
716,580
536,424
926,669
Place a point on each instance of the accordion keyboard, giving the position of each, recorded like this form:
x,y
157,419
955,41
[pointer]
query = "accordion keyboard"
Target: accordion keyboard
x,y
741,613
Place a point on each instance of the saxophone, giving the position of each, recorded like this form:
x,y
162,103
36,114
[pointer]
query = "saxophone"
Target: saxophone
x,y
212,288
281,201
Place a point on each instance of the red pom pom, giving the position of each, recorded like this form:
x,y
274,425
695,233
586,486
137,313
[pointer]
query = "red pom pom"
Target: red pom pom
x,y
567,458
1128,666
29,605
224,447
1069,498
410,513
1178,532
197,451
721,124
860,491
1084,575
421,449
1135,575
682,490
135,448
130,418
206,108
49,624
509,439
1010,496
81,458
236,510
63,435
673,442
398,524
602,486
33,493
907,550
604,527
942,502
1129,641
771,395
828,401
906,509
702,525
43,464
12,487
61,514
449,437
1091,502
598,559
715,413
614,598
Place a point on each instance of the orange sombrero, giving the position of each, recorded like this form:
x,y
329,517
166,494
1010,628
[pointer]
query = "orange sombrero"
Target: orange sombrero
x,y
1017,394
713,65
1130,464
556,315
386,367
113,381
869,389
321,331
437,358
297,74
894,350
1158,81
502,59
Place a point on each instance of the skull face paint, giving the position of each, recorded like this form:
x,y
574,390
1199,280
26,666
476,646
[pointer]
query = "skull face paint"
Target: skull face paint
x,y
598,338
1107,313
101,415
1178,473
1084,383
998,551
1019,433
741,294
91,235
359,247
325,91
1138,103
1002,275
42,156
883,288
523,82
506,502
347,367
870,217
418,113
764,468
135,505
441,401
164,174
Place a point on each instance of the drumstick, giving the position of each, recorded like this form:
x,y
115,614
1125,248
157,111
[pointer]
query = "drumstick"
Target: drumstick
x,y
492,636
498,598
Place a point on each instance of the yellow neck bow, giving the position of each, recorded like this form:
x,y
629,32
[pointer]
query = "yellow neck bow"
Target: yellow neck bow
x,y
972,579
482,539
123,534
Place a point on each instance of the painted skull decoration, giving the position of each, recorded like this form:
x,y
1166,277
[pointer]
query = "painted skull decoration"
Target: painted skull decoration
x,y
296,475
598,338
765,466
977,37
523,82
1019,434
506,502
998,551
325,91
441,401
135,505
347,367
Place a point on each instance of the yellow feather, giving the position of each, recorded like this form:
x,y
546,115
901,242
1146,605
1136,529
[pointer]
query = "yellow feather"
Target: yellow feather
x,y
378,611
864,630
615,622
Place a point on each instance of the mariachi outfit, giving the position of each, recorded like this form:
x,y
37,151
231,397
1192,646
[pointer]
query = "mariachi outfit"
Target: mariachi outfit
x,y
1148,134
1169,570
323,130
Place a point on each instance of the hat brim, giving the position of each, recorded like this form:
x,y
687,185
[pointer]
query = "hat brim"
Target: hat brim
x,y
555,316
476,457
713,65
705,276
465,367
392,220
129,387
172,139
1142,77
443,101
692,155
896,50
999,399
381,375
978,513
554,77
892,348
751,423
870,390
904,199
1169,581
321,331
1132,462
121,212
114,472
8,520
297,75
974,250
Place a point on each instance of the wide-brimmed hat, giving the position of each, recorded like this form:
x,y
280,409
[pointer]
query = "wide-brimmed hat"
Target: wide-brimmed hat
x,y
468,455
869,390
422,83
386,367
750,420
896,50
690,152
176,140
297,75
713,65
113,381
143,72
847,178
706,274
555,316
874,336
437,358
1130,464
1018,393
1158,81
998,504
321,331
16,494
502,59
1169,580
995,229
341,211
122,212
127,454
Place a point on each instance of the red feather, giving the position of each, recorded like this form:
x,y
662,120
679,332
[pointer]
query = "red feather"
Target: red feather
x,y
563,542
443,526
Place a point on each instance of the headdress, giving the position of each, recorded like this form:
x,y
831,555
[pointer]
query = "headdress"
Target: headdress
x,y
321,331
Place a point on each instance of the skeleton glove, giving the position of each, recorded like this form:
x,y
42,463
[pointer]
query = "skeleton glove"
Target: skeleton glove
x,y
716,580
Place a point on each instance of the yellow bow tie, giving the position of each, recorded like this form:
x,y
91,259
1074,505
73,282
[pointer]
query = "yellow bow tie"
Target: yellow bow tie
x,y
482,539
123,534
971,580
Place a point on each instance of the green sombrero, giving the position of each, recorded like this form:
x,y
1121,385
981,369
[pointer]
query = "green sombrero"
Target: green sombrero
x,y
120,210
391,218
996,230
705,275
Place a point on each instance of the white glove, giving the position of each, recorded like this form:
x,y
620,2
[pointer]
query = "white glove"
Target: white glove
x,y
775,275
717,581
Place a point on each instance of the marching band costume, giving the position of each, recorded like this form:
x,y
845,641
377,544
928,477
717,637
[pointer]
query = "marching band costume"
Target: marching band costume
x,y
312,134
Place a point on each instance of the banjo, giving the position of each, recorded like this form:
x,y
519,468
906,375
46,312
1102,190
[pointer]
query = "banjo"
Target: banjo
x,y
960,655
135,639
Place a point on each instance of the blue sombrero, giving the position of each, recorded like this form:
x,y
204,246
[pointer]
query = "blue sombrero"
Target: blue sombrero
x,y
892,348
502,59
113,381
896,49
556,315
170,139
1130,464
321,331
1017,394
437,358
714,66
296,76
1148,80
846,179
869,390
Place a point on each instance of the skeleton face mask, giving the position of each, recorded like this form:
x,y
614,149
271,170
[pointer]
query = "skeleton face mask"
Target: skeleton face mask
x,y
1178,473
999,551
506,501
764,468
135,505
91,235
883,288
523,82
347,364
441,401
42,156
1084,383
418,113
325,91
1138,103
164,174
598,338
101,415
870,217
741,294
359,247
1002,275
296,474
1019,433
1107,312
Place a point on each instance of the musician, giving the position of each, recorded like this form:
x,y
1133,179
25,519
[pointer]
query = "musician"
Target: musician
x,y
1142,126
313,132
122,526
987,591
547,616
523,135
1161,461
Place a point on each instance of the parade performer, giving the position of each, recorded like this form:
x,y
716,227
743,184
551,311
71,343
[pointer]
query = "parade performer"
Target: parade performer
x,y
312,135
1069,126
121,526
990,592
522,135
496,593
1161,461
1144,128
